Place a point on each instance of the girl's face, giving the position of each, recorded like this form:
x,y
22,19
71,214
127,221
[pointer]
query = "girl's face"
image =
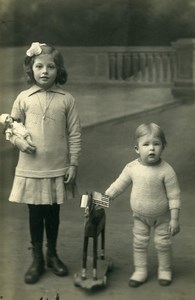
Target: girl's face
x,y
149,149
44,71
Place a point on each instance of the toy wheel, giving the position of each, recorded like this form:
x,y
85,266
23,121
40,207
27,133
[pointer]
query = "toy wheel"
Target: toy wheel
x,y
76,284
110,266
104,280
76,280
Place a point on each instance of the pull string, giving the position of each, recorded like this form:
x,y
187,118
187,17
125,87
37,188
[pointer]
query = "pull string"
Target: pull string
x,y
48,102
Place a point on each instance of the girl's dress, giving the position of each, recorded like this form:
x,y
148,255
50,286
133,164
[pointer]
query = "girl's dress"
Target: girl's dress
x,y
51,117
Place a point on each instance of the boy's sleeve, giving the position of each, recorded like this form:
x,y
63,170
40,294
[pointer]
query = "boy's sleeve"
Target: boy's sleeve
x,y
172,189
120,184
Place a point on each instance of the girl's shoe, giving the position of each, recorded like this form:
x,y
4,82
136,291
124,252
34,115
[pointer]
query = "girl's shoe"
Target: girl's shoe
x,y
53,261
57,266
34,272
37,267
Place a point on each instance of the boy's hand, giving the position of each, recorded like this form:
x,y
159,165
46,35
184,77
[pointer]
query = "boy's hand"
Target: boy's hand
x,y
110,198
70,175
174,227
24,146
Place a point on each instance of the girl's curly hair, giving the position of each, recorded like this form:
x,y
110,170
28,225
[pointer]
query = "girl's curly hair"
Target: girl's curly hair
x,y
62,75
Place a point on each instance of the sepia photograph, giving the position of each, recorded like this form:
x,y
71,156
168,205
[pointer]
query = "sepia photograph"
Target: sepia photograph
x,y
97,118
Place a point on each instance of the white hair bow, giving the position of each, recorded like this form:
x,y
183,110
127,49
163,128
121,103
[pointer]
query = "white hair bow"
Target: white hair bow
x,y
35,49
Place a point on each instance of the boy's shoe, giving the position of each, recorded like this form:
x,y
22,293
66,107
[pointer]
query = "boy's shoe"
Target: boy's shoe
x,y
164,278
137,279
135,283
164,282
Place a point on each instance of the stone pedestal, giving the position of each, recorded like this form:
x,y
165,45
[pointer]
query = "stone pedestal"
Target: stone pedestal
x,y
184,83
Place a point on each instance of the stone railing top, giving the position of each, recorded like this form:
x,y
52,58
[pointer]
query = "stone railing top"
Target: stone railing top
x,y
111,49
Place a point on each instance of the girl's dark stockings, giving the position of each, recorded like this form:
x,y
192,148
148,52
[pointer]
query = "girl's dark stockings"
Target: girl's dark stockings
x,y
40,215
48,216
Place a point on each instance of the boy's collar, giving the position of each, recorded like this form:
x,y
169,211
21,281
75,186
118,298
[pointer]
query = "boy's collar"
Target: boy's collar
x,y
149,165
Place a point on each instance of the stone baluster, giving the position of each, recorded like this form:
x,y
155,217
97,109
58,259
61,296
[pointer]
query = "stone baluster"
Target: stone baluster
x,y
143,66
173,66
127,65
150,62
158,67
184,83
112,66
169,72
135,66
165,67
119,66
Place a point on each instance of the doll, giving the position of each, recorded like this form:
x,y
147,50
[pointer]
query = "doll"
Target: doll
x,y
13,127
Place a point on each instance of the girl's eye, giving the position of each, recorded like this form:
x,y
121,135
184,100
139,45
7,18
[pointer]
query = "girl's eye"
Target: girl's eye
x,y
51,66
38,66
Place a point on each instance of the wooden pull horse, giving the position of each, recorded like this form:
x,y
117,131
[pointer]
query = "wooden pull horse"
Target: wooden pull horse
x,y
95,222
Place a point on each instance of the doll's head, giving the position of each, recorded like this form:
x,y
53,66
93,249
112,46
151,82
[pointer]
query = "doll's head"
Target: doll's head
x,y
6,119
37,49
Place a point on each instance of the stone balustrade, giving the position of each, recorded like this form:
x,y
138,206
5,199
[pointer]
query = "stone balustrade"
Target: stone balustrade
x,y
143,65
172,66
136,65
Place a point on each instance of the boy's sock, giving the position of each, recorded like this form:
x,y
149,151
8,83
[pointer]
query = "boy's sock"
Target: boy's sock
x,y
164,269
139,275
165,275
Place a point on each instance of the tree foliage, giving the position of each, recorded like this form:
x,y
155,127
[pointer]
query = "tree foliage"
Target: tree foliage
x,y
95,22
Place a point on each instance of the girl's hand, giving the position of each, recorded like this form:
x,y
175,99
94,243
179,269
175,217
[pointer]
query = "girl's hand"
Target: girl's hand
x,y
24,146
174,227
71,174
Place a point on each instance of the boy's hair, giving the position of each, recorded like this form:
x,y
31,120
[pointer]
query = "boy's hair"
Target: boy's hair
x,y
62,75
152,129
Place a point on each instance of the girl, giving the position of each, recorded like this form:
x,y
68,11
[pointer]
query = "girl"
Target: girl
x,y
155,201
50,115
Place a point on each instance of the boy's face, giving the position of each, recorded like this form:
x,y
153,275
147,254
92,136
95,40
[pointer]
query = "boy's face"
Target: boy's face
x,y
44,70
149,149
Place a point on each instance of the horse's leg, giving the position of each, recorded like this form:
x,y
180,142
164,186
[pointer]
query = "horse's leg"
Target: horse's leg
x,y
102,255
84,265
95,244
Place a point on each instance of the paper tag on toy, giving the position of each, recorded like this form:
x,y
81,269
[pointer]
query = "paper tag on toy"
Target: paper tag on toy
x,y
84,201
